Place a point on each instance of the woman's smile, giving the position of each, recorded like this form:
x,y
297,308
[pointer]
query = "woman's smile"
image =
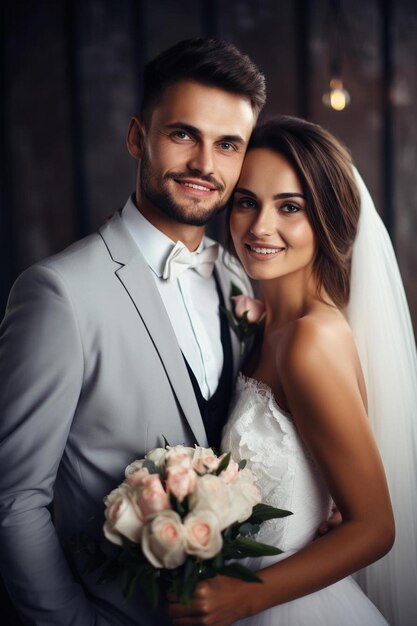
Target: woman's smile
x,y
270,228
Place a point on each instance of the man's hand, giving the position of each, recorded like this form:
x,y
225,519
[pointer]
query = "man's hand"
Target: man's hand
x,y
334,521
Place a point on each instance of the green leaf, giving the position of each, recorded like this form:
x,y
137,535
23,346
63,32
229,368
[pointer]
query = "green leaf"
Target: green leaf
x,y
179,507
166,444
235,290
248,529
223,464
185,586
131,554
237,570
243,547
250,547
128,580
263,512
150,466
244,318
149,586
242,464
218,561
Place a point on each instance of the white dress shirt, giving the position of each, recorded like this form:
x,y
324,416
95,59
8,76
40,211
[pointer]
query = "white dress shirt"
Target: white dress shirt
x,y
191,301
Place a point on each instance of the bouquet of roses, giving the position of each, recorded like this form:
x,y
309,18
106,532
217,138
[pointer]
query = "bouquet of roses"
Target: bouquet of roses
x,y
180,516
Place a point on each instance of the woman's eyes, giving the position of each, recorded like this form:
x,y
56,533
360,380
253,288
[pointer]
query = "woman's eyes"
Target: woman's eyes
x,y
248,203
289,207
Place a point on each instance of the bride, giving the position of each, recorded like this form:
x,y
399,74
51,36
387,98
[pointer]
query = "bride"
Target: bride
x,y
300,415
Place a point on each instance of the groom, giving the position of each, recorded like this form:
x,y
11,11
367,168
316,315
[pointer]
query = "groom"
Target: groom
x,y
117,341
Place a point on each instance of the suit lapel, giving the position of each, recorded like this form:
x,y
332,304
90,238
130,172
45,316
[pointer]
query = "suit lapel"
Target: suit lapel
x,y
136,277
230,271
225,282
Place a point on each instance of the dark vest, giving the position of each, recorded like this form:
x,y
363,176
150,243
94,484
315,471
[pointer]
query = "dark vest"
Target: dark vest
x,y
215,410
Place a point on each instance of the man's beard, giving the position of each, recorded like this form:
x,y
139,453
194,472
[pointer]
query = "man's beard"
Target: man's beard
x,y
163,200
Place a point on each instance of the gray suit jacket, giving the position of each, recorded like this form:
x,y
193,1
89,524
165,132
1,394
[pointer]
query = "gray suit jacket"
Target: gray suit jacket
x,y
91,378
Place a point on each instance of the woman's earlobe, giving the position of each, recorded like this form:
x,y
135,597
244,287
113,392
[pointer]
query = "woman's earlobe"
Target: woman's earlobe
x,y
135,138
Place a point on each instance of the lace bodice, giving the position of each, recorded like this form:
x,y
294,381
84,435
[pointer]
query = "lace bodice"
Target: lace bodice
x,y
260,432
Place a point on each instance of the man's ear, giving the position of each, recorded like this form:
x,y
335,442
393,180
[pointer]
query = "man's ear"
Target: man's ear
x,y
135,137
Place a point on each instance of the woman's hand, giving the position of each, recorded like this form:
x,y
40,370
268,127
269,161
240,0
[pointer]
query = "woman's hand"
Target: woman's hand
x,y
219,601
334,520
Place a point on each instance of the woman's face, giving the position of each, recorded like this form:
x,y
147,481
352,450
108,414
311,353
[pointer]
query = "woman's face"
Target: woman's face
x,y
270,229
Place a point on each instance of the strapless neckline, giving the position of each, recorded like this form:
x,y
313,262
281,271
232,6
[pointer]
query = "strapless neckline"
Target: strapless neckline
x,y
249,382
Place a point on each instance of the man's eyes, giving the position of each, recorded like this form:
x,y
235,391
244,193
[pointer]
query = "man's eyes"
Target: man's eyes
x,y
227,147
181,134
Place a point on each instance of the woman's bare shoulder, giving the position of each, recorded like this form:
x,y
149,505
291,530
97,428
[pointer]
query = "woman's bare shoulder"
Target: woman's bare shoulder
x,y
316,342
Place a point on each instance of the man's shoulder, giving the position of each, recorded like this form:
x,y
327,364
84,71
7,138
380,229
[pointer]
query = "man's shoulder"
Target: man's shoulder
x,y
84,262
90,251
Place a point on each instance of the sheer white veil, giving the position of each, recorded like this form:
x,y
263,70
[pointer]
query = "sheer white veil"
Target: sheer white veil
x,y
379,317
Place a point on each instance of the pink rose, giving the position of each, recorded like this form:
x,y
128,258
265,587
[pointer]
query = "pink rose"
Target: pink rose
x,y
136,478
203,537
152,497
163,540
178,459
231,471
212,494
180,481
254,307
205,460
123,516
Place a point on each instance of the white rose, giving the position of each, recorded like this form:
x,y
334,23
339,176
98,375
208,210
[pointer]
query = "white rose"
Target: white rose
x,y
134,467
123,517
163,540
211,493
157,456
186,450
203,537
244,494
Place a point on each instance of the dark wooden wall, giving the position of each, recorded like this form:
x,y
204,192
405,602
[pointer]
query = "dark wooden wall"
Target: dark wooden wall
x,y
70,76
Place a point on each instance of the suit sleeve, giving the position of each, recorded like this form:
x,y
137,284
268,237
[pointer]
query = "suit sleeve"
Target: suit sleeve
x,y
41,368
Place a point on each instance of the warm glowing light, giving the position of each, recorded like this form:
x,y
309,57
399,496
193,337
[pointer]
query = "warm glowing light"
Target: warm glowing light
x,y
337,98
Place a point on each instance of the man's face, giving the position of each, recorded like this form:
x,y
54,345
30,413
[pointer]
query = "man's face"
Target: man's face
x,y
192,153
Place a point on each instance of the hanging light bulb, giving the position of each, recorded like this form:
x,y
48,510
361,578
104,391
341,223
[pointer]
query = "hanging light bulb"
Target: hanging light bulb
x,y
338,97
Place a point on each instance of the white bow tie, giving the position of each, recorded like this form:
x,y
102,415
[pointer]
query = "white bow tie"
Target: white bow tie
x,y
180,259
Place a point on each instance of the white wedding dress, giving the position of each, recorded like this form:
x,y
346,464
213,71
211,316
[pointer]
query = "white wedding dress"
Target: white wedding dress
x,y
260,432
